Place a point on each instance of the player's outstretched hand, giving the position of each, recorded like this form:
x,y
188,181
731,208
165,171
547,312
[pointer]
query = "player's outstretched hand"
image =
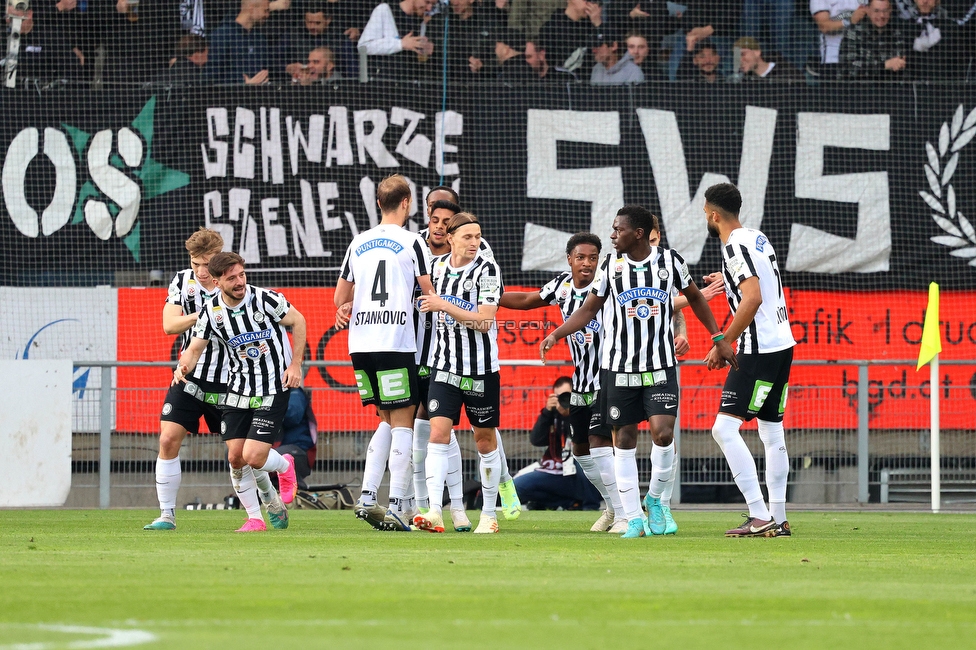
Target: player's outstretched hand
x,y
545,346
720,355
714,285
179,375
430,302
342,315
681,345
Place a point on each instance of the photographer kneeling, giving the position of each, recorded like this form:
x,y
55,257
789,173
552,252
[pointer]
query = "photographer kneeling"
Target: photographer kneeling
x,y
557,481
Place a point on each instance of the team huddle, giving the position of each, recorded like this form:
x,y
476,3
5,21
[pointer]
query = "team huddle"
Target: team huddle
x,y
420,308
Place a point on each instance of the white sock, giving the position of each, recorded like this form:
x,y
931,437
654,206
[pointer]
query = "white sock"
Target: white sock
x,y
275,463
669,486
265,488
401,476
625,467
377,454
777,467
506,476
247,491
421,438
169,475
743,465
592,472
491,469
661,460
437,463
603,457
455,477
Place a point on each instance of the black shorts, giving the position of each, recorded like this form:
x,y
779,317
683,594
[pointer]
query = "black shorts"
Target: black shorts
x,y
423,384
185,403
387,380
598,416
584,417
759,387
480,396
262,422
633,397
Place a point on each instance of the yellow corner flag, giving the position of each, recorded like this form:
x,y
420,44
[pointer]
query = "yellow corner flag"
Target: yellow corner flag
x,y
931,334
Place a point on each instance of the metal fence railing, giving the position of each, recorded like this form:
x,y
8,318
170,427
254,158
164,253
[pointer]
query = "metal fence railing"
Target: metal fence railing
x,y
849,440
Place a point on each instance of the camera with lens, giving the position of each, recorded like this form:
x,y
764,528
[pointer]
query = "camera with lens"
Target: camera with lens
x,y
564,399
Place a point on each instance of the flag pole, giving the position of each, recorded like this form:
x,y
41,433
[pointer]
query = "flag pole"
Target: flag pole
x,y
936,465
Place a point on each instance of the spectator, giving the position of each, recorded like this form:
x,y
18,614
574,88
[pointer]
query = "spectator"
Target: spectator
x,y
557,480
874,48
717,20
567,35
637,48
832,18
319,29
42,54
653,18
139,39
535,56
705,62
319,69
528,16
299,434
401,40
239,53
469,43
202,17
938,51
752,65
510,62
191,58
611,68
776,16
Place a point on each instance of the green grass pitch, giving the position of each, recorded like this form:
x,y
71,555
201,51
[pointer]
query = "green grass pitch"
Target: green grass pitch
x,y
844,580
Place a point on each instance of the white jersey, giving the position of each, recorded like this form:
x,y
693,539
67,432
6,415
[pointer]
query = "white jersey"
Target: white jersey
x,y
423,322
258,346
830,43
584,345
642,336
456,348
190,295
748,254
386,261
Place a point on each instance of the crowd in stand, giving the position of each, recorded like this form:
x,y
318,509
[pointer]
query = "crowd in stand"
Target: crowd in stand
x,y
597,41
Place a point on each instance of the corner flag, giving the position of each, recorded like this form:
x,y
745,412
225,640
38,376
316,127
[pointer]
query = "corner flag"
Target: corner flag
x,y
931,335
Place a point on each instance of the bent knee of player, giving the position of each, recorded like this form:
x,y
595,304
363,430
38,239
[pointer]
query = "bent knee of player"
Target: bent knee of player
x,y
171,437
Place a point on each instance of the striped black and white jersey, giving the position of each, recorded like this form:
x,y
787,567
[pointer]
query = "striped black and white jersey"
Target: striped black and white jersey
x,y
748,254
385,262
457,348
423,323
191,296
586,345
640,292
258,346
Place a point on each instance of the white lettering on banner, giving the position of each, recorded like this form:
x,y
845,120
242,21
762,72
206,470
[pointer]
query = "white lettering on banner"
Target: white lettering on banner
x,y
213,209
275,237
22,150
814,250
339,147
243,153
312,147
271,154
418,149
216,126
602,187
683,217
447,123
113,183
372,142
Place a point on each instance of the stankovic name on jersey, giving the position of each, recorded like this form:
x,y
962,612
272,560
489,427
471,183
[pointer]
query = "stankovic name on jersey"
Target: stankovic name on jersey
x,y
381,317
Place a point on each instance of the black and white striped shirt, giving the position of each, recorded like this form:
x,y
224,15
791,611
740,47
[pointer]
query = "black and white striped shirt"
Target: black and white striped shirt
x,y
641,293
190,295
456,348
257,344
423,323
584,345
747,254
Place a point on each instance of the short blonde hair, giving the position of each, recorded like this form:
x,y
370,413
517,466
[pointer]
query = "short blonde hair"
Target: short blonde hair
x,y
204,242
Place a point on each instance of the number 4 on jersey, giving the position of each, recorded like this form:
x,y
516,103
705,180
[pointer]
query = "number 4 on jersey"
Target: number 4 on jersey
x,y
379,293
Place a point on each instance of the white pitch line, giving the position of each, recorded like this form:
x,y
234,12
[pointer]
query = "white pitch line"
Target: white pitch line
x,y
111,638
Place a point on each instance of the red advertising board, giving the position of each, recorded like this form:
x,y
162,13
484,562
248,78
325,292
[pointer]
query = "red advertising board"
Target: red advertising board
x,y
831,326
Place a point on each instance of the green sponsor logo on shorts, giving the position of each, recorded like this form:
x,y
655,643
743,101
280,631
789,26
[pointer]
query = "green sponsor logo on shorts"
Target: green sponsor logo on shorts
x,y
647,379
423,371
256,402
759,395
782,401
467,383
394,384
362,383
211,398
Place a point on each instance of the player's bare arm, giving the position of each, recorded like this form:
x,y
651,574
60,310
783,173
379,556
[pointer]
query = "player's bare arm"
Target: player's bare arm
x,y
681,345
343,302
580,319
189,358
425,285
293,373
175,321
721,352
480,321
522,300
